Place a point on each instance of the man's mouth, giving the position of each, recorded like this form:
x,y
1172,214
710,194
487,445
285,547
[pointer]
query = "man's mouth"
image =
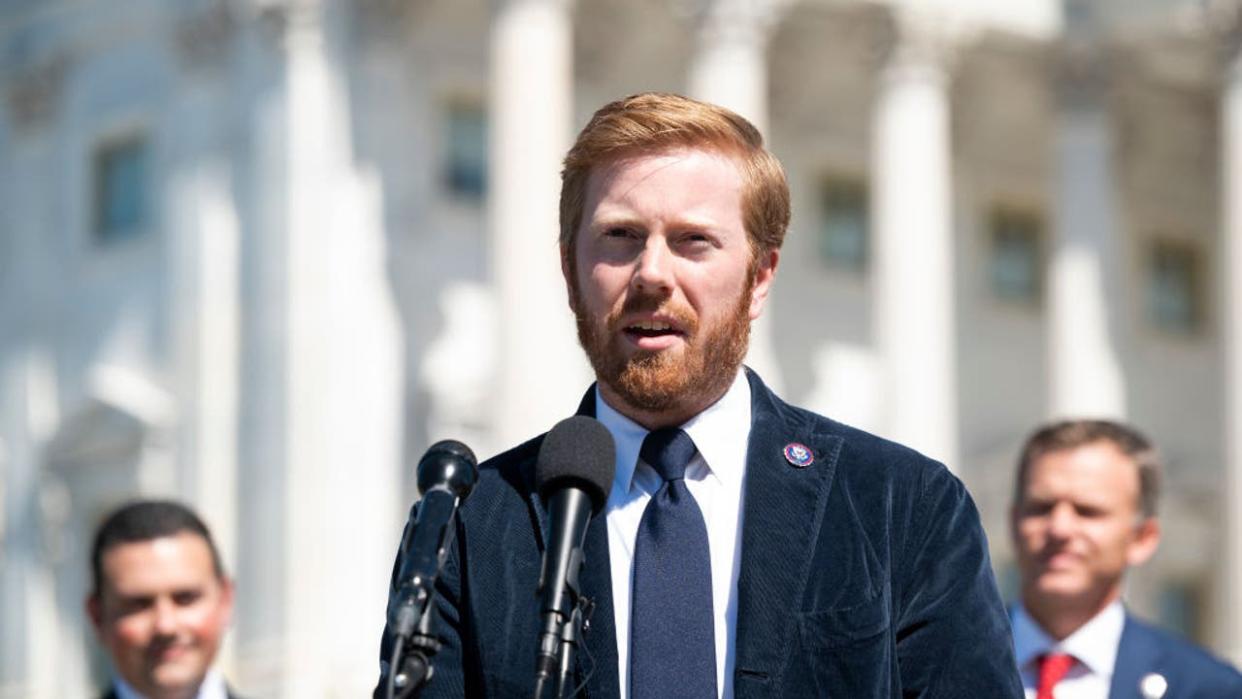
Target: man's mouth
x,y
651,328
653,334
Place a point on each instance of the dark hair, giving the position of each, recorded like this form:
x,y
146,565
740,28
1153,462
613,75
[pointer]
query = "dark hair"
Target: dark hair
x,y
1070,434
145,520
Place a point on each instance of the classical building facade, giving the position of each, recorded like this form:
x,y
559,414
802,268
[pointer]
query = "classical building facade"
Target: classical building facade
x,y
258,254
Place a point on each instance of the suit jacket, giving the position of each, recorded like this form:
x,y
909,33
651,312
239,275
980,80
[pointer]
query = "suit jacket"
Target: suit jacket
x,y
1190,672
863,574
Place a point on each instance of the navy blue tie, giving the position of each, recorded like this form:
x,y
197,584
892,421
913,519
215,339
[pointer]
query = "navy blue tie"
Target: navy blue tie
x,y
672,635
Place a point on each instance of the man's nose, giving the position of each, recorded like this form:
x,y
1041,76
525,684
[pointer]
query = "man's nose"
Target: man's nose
x,y
165,617
1061,520
655,266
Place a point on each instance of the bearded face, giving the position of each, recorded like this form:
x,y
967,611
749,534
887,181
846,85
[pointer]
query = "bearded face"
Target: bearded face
x,y
660,381
664,283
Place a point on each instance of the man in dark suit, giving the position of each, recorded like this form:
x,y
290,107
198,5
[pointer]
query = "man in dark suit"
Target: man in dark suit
x,y
1084,512
159,602
748,547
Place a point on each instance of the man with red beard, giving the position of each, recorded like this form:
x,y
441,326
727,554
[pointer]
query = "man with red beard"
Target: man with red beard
x,y
747,547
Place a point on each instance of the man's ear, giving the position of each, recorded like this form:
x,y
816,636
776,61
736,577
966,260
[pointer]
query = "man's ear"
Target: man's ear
x,y
1146,540
226,599
94,612
567,271
764,274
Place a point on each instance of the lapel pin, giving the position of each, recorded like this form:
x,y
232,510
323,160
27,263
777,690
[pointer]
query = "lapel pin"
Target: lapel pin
x,y
799,455
1153,686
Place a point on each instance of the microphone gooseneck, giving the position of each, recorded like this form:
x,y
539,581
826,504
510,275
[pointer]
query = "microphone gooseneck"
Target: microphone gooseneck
x,y
446,475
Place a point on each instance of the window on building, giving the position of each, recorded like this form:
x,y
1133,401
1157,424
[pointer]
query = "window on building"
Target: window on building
x,y
1015,255
121,196
465,162
1175,287
845,223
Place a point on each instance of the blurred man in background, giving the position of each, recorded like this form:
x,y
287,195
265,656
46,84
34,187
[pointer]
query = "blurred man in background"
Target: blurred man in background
x,y
160,602
1084,512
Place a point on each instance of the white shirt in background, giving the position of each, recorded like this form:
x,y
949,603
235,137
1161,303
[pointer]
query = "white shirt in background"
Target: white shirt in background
x,y
1094,645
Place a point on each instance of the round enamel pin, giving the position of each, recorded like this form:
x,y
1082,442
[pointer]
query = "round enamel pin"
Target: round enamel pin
x,y
799,455
1153,686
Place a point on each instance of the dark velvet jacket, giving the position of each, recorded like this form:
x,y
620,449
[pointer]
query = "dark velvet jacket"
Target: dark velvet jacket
x,y
1189,671
863,574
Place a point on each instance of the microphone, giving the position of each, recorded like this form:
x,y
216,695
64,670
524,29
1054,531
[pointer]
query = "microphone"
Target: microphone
x,y
574,474
446,475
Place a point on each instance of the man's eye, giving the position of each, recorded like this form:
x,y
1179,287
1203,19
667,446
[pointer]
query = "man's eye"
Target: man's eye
x,y
185,598
617,233
133,605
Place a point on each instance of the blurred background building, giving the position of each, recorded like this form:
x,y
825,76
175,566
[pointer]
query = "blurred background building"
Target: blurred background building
x,y
259,254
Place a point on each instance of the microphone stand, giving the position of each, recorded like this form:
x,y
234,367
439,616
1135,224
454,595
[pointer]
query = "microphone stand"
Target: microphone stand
x,y
561,644
409,672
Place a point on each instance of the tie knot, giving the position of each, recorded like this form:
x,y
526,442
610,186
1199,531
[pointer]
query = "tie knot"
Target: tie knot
x,y
1053,668
668,450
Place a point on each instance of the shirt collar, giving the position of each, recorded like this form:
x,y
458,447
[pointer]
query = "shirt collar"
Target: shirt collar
x,y
715,432
212,687
1094,644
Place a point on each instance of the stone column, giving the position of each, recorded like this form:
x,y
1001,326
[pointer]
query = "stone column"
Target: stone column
x,y
730,68
913,272
541,370
1230,273
42,655
203,239
323,386
1085,368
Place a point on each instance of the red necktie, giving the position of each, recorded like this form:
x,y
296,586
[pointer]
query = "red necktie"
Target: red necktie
x,y
1052,669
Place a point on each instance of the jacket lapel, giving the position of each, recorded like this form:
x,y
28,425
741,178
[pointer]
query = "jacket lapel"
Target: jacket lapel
x,y
782,513
1137,654
596,579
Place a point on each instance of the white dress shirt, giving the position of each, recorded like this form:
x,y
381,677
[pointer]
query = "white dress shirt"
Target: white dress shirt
x,y
211,688
714,477
1094,644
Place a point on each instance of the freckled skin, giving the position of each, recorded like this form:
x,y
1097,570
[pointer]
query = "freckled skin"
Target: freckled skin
x,y
663,240
161,613
1076,530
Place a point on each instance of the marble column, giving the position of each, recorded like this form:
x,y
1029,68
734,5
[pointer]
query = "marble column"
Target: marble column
x,y
541,369
729,67
1230,271
1085,367
203,248
323,387
913,273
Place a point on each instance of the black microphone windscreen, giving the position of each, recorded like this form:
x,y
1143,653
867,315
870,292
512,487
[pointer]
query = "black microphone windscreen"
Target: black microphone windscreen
x,y
450,464
578,452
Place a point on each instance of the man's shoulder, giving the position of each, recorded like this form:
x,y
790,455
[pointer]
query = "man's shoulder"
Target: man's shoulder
x,y
1176,654
509,475
857,450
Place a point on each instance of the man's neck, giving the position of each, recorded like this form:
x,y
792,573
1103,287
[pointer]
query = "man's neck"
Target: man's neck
x,y
653,420
1061,617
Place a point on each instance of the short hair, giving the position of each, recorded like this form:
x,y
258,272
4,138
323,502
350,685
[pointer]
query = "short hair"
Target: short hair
x,y
653,122
146,520
1071,434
